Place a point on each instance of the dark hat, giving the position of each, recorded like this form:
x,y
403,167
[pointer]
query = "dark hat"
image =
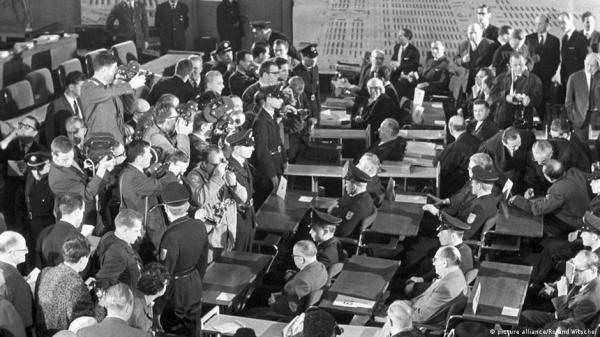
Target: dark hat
x,y
322,219
244,332
223,46
318,322
175,194
242,138
450,222
591,223
309,50
483,175
354,173
273,91
260,25
35,159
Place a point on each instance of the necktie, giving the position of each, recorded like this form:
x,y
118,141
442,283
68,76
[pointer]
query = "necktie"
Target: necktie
x,y
173,5
541,40
76,109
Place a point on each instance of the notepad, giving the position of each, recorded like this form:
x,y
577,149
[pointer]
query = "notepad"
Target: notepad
x,y
305,198
225,297
510,311
353,302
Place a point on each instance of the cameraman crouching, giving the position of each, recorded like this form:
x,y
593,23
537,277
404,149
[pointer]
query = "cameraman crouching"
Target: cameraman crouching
x,y
169,131
66,177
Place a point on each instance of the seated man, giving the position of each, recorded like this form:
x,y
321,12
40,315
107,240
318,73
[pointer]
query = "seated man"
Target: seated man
x,y
581,302
329,248
455,157
435,77
369,163
391,146
450,284
482,126
311,277
399,321
564,204
355,205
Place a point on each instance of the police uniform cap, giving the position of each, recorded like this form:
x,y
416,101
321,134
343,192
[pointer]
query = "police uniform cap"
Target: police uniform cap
x,y
452,223
318,322
241,138
175,194
356,174
273,91
223,46
260,24
591,223
37,158
483,175
309,50
322,218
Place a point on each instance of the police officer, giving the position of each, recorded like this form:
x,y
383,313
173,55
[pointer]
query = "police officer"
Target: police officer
x,y
171,20
229,23
308,70
184,251
242,145
38,195
133,23
224,63
322,231
355,205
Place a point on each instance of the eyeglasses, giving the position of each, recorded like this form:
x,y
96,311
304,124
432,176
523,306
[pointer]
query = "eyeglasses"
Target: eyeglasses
x,y
274,72
23,126
21,250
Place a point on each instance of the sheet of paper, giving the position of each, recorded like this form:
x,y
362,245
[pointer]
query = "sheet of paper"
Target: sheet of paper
x,y
326,112
228,328
414,199
226,297
419,97
282,188
439,122
305,198
507,188
437,105
509,311
87,230
32,279
352,302
476,298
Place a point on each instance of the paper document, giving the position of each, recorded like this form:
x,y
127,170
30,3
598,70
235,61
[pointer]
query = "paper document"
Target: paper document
x,y
419,97
228,328
414,199
353,302
87,230
507,188
476,299
305,198
282,187
509,311
225,297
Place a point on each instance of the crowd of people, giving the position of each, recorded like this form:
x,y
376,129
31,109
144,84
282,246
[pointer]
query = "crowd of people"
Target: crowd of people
x,y
115,205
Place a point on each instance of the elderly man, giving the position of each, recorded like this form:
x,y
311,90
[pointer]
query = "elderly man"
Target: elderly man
x,y
581,302
379,107
368,71
475,53
370,164
355,205
176,84
214,88
399,321
13,251
391,145
583,97
573,47
482,126
435,77
450,284
455,157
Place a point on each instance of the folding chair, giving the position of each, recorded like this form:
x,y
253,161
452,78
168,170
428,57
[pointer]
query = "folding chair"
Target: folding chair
x,y
89,61
41,85
125,52
64,69
365,224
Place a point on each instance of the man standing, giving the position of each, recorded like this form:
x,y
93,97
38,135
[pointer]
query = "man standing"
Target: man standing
x,y
573,47
483,17
38,195
582,102
263,33
195,80
475,53
267,73
171,20
405,58
13,251
244,75
229,23
63,107
591,35
224,63
133,23
184,251
308,70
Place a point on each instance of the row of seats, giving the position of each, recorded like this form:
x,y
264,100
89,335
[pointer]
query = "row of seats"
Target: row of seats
x,y
41,85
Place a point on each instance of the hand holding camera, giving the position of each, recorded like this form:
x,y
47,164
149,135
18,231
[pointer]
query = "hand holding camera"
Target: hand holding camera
x,y
107,164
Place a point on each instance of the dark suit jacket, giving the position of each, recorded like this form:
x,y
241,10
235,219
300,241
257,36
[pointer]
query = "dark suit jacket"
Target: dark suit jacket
x,y
582,306
578,97
594,41
436,74
528,84
118,261
112,327
389,151
383,107
171,85
549,55
171,25
572,52
479,58
501,58
269,153
454,163
133,24
239,82
51,240
57,113
491,32
295,292
409,60
17,292
331,252
486,130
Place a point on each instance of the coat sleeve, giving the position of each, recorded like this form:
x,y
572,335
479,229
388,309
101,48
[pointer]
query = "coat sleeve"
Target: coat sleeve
x,y
570,98
112,264
94,94
63,185
204,192
548,204
424,308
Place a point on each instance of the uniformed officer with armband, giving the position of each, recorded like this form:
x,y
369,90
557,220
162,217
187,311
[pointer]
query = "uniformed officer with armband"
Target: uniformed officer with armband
x,y
242,144
308,70
355,205
322,231
38,195
184,251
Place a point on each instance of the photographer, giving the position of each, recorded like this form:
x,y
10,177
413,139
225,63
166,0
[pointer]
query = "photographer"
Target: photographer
x,y
297,122
214,188
101,100
66,176
76,131
200,137
169,131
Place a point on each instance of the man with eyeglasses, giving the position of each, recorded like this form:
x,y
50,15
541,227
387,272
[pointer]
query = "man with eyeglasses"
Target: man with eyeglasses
x,y
268,76
13,251
169,131
377,108
577,294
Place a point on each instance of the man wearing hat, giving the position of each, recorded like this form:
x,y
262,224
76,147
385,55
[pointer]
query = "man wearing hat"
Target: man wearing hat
x,y
263,33
564,204
270,155
322,231
224,63
309,72
355,205
242,144
38,195
184,251
171,20
229,23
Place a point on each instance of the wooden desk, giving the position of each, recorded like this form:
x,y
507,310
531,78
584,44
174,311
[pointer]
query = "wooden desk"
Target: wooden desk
x,y
335,118
415,172
225,324
165,65
431,135
230,276
518,223
362,279
398,218
503,289
314,172
341,134
434,114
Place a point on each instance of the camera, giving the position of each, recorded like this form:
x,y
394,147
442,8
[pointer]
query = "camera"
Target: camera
x,y
187,111
517,99
132,69
98,146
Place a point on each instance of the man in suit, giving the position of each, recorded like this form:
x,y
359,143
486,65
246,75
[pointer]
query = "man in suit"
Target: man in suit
x,y
171,20
565,202
229,23
322,230
475,53
66,176
312,276
195,80
450,284
580,302
482,126
169,132
244,74
66,105
119,308
101,102
13,251
133,23
405,57
267,77
454,160
573,47
583,97
224,63
308,70
49,246
561,128
591,35
379,107
483,17
391,145
501,60
264,33
176,84
544,52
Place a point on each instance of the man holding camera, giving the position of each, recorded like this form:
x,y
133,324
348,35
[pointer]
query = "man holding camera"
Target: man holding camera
x,y
101,100
170,131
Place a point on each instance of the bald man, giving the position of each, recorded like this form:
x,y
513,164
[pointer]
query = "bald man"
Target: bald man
x,y
473,54
583,96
